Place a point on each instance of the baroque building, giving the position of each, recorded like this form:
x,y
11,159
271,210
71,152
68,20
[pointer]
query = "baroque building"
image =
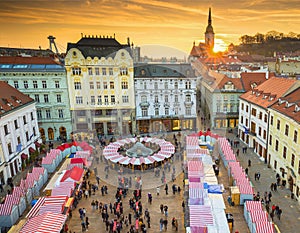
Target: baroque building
x,y
165,97
101,88
44,80
18,130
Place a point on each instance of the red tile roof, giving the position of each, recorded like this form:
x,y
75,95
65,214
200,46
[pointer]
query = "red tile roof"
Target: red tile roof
x,y
74,174
269,91
289,105
250,80
27,60
11,98
219,60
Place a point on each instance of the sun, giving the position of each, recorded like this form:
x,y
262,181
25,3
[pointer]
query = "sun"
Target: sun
x,y
220,46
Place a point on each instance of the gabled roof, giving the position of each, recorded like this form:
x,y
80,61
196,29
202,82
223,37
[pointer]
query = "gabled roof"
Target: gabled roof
x,y
289,105
74,174
252,80
11,98
269,91
219,60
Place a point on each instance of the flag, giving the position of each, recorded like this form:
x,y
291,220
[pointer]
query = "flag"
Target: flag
x,y
19,147
246,130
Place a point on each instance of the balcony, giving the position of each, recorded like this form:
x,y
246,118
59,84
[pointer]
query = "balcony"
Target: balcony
x,y
144,104
188,103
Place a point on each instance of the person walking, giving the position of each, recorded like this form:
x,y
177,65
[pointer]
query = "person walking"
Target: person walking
x,y
246,171
161,208
157,191
258,175
249,163
166,188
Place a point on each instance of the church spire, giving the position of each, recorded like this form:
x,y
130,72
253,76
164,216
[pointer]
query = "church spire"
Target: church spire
x,y
209,17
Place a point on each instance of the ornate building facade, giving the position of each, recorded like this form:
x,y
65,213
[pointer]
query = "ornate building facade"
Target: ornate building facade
x,y
101,87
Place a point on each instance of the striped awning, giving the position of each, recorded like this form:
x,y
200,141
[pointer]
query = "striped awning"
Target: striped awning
x,y
45,223
253,205
201,216
264,227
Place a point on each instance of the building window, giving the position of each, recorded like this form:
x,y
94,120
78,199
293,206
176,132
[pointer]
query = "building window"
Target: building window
x,y
103,71
247,122
91,85
24,120
58,98
31,115
123,71
278,124
299,167
176,98
98,112
19,140
16,124
266,118
44,84
270,140
259,131
110,70
253,112
97,71
113,99
25,84
111,85
39,113
99,100
77,85
286,132
284,152
156,112
166,98
16,84
271,120
76,71
242,119
188,98
276,145
6,130
57,85
98,85
106,99
156,99
48,114
242,106
188,85
265,134
79,100
144,112
218,107
293,160
105,85
35,84
46,98
90,71
175,85
155,85
260,115
225,108
166,85
125,99
124,85
27,136
9,148
60,113
188,111
143,98
166,111
295,136
93,101
37,98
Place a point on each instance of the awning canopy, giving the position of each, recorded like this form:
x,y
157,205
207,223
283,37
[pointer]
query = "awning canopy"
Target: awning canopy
x,y
24,156
37,144
31,150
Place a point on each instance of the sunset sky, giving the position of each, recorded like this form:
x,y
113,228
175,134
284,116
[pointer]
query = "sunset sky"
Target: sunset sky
x,y
172,23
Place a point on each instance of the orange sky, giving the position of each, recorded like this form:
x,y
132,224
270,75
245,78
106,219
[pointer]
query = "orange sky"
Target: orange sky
x,y
172,23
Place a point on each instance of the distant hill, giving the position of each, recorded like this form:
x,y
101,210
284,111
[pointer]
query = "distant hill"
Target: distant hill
x,y
269,47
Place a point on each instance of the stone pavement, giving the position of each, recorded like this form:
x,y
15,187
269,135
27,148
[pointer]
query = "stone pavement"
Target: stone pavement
x,y
290,219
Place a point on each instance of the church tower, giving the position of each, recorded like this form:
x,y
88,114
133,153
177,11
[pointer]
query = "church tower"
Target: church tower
x,y
209,34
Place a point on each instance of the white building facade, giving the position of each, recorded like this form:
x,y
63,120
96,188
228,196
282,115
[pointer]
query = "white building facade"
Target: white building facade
x,y
165,97
19,131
